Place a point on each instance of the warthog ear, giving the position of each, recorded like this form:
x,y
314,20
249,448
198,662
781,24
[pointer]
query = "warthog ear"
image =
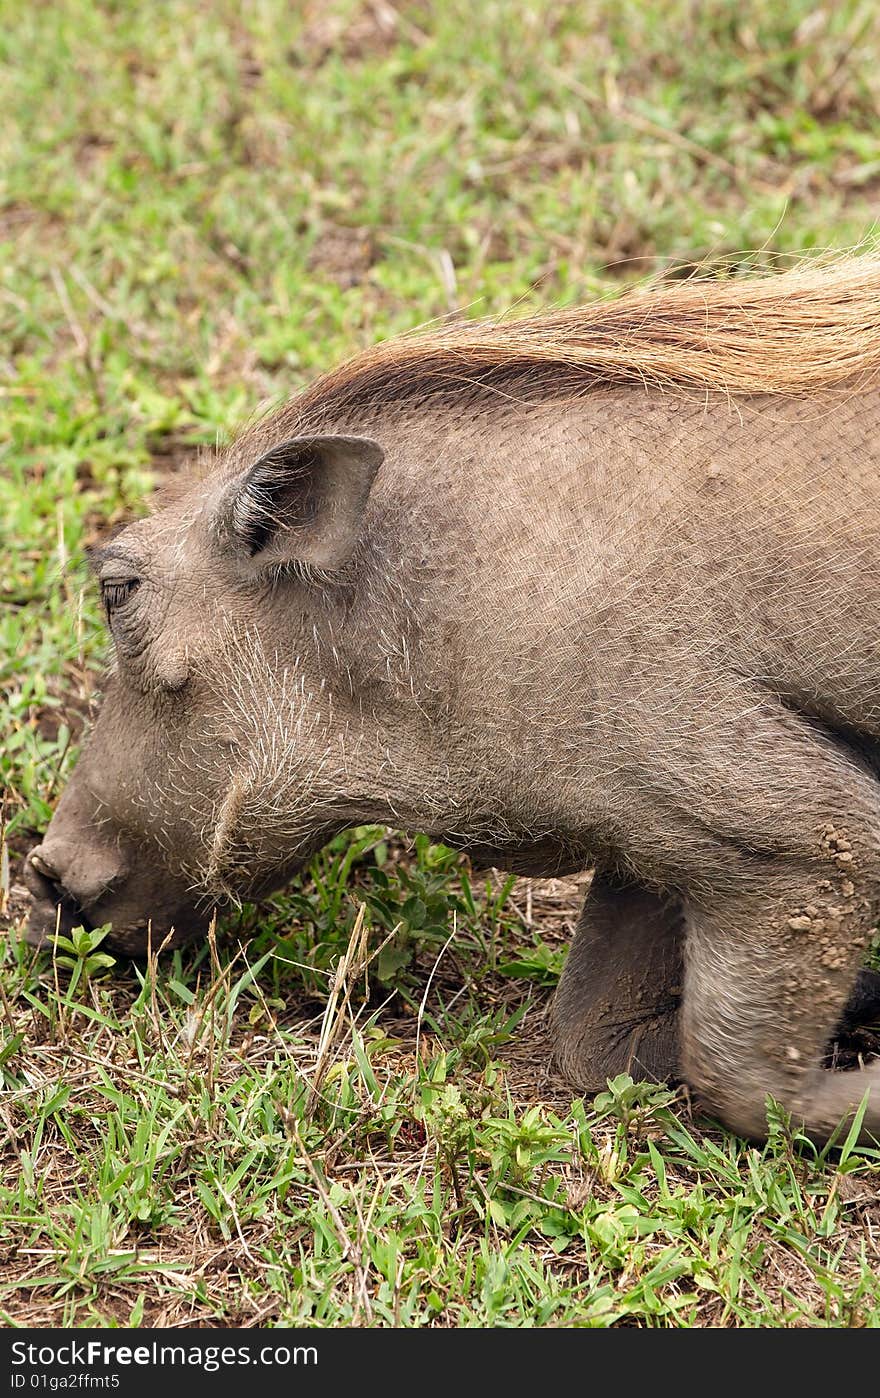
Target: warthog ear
x,y
302,502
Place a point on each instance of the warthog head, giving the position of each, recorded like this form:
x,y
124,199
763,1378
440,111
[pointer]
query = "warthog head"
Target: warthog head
x,y
230,743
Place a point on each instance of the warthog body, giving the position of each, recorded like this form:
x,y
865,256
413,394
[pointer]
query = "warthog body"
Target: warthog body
x,y
595,590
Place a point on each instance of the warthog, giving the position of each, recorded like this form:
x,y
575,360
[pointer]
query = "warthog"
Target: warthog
x,y
597,589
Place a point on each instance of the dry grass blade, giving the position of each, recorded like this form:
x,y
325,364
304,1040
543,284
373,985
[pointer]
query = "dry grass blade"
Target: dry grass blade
x,y
354,961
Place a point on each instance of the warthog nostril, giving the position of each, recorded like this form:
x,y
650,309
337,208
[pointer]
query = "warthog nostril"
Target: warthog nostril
x,y
54,909
43,866
80,871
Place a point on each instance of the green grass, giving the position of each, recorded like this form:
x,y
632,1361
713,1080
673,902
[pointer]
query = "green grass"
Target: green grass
x,y
200,207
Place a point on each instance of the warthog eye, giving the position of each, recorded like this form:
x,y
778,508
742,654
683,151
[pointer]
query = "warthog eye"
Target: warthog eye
x,y
116,591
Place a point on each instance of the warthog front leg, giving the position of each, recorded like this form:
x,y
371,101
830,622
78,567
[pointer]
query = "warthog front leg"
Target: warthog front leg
x,y
779,915
767,983
616,1006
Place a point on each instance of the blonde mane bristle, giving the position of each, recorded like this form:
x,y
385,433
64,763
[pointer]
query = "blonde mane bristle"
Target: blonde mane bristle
x,y
811,328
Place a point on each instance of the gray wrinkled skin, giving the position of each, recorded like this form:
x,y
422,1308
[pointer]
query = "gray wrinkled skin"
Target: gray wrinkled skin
x,y
640,631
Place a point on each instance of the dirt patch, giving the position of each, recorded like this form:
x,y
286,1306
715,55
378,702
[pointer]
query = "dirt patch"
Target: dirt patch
x,y
372,31
343,255
854,1048
15,216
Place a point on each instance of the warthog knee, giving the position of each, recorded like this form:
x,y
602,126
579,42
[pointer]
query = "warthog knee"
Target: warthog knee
x,y
645,1045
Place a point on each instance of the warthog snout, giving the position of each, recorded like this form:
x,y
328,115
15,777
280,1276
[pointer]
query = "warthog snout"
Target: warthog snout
x,y
84,875
55,907
81,872
67,878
